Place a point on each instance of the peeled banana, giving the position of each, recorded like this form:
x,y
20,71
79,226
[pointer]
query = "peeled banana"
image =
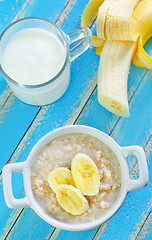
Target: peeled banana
x,y
113,72
85,174
101,19
114,20
123,27
59,176
71,199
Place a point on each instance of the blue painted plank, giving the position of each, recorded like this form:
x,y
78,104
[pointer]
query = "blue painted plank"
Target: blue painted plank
x,y
130,217
31,226
44,123
67,234
124,131
31,219
45,9
10,132
57,120
123,223
15,113
5,212
146,231
10,11
53,113
134,130
83,235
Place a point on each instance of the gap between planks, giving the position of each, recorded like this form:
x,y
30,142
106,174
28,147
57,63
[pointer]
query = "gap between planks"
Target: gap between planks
x,y
142,222
19,212
102,229
145,227
23,9
4,96
72,121
7,92
68,7
63,15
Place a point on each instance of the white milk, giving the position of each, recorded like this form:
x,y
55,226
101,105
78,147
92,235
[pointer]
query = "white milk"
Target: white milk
x,y
33,56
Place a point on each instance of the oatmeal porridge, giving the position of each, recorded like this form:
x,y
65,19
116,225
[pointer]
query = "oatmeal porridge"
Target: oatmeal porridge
x,y
59,171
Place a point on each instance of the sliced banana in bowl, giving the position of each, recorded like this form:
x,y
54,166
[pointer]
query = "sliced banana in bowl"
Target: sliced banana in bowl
x,y
85,174
71,199
60,175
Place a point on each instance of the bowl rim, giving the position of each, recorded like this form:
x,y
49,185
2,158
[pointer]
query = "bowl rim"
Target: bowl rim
x,y
63,131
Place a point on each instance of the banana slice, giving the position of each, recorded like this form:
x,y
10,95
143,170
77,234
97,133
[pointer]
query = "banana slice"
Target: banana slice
x,y
71,199
85,174
59,176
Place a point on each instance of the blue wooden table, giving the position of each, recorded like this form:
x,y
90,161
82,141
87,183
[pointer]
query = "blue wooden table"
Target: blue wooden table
x,y
21,126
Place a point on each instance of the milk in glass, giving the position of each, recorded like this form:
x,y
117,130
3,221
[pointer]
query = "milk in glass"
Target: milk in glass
x,y
34,56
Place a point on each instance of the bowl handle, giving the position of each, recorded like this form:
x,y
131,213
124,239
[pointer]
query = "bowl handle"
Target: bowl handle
x,y
143,169
11,201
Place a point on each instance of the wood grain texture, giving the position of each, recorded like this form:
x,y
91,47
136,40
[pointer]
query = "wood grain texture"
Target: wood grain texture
x,y
62,234
146,230
123,223
114,126
49,118
79,104
14,112
10,11
142,136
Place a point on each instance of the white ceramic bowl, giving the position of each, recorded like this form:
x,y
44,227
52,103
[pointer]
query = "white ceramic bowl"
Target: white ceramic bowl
x,y
127,184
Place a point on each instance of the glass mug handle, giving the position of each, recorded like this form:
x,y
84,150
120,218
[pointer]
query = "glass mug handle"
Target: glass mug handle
x,y
79,41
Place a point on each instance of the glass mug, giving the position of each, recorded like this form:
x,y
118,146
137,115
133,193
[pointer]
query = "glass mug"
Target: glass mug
x,y
75,43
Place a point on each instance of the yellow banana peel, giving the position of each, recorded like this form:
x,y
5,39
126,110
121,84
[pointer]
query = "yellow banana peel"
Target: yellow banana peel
x,y
135,60
142,25
141,18
141,57
127,26
90,12
97,42
99,50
